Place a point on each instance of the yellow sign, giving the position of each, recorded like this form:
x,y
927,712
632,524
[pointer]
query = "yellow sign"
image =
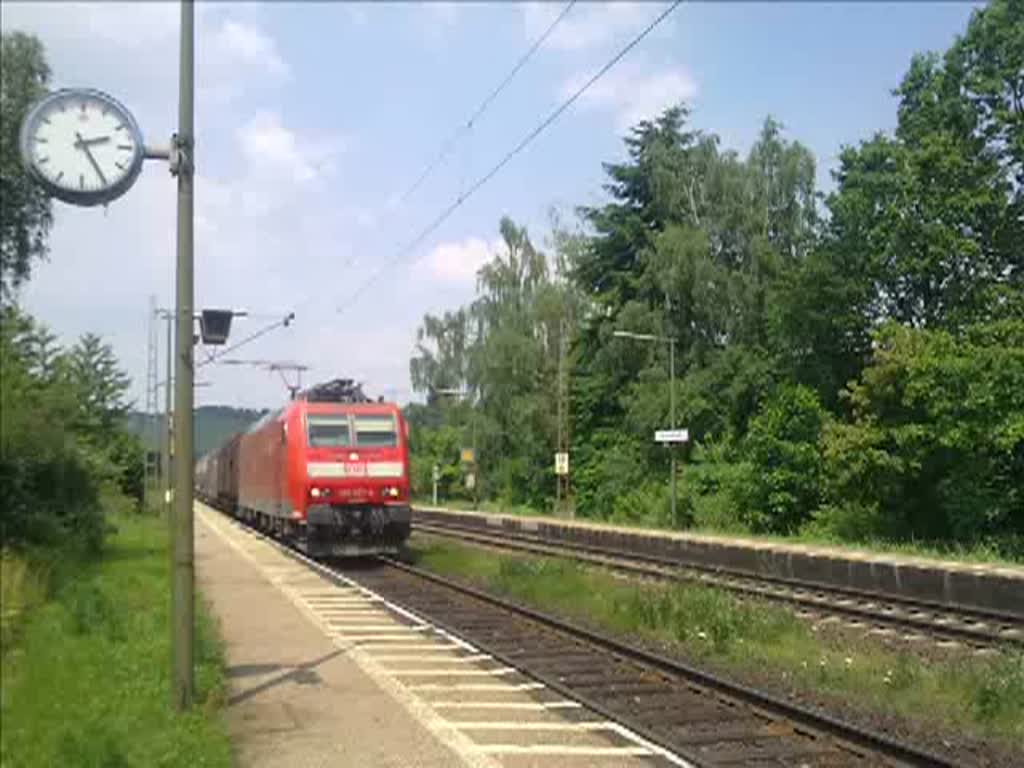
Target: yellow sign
x,y
468,455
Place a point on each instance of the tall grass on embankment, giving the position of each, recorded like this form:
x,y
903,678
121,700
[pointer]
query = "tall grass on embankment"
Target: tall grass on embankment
x,y
85,678
757,642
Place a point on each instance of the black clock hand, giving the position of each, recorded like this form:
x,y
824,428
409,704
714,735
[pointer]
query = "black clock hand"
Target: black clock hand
x,y
85,148
97,140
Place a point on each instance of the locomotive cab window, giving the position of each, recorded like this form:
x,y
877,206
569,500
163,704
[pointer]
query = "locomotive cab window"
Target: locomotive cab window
x,y
327,431
375,431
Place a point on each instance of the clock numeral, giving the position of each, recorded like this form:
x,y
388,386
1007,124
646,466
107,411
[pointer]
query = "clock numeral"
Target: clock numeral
x,y
45,120
39,140
81,181
60,175
43,160
120,127
125,146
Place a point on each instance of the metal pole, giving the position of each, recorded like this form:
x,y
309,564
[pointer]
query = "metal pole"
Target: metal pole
x,y
182,594
476,463
672,408
168,483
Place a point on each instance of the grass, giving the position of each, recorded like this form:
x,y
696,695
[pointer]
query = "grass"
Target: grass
x,y
86,682
984,697
23,586
983,553
495,507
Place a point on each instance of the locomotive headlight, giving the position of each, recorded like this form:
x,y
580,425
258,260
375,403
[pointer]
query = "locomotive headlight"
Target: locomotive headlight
x,y
315,493
390,492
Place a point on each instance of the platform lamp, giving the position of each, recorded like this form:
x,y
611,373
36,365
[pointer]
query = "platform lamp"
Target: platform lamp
x,y
215,325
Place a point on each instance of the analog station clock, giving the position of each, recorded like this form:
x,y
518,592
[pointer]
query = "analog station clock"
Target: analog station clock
x,y
83,146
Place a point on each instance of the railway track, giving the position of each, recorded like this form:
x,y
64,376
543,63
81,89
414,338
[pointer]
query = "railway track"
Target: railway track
x,y
698,716
975,628
701,718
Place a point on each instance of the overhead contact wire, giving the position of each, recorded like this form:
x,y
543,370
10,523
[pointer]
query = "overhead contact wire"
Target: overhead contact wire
x,y
449,143
251,337
443,216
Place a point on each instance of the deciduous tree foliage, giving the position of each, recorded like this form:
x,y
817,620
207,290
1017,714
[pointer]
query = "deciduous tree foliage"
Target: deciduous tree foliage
x,y
61,448
491,369
25,216
849,364
64,452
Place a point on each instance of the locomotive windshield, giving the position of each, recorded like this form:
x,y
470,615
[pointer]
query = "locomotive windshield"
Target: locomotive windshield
x,y
375,431
337,430
328,431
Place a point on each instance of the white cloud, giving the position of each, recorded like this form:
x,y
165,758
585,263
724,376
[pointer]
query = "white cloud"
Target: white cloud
x,y
633,94
586,25
96,23
251,46
265,199
458,261
268,145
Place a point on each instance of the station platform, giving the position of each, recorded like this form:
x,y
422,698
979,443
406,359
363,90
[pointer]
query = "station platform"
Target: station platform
x,y
982,586
324,673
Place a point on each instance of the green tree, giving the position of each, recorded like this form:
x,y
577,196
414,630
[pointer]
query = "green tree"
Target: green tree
x,y
93,370
49,481
783,448
932,215
935,448
502,352
25,216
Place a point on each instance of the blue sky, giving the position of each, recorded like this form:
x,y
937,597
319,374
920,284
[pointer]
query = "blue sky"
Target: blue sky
x,y
313,118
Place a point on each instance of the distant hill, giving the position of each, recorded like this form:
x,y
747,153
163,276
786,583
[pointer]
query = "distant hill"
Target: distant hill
x,y
213,425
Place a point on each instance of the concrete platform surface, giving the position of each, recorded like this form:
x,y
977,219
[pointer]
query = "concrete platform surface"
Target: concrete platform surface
x,y
990,587
325,673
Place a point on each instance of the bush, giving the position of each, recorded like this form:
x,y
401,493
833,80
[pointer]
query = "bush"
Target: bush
x,y
784,453
648,504
713,487
62,450
608,467
436,446
936,439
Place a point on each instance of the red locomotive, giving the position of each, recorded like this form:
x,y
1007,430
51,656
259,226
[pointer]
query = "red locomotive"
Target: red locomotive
x,y
329,471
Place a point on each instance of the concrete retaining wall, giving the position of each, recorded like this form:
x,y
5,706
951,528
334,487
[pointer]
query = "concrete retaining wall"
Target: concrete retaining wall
x,y
996,588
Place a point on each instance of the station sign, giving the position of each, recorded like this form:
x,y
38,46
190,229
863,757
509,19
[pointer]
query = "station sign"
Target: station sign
x,y
672,436
562,463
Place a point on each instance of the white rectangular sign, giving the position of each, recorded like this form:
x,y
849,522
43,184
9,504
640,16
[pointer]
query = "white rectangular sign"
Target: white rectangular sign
x,y
561,463
672,436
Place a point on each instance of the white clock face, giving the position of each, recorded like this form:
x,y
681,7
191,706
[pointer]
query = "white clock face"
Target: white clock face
x,y
83,146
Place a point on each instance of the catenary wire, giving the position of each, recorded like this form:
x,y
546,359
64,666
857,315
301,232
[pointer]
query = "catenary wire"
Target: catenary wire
x,y
251,337
450,142
443,216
